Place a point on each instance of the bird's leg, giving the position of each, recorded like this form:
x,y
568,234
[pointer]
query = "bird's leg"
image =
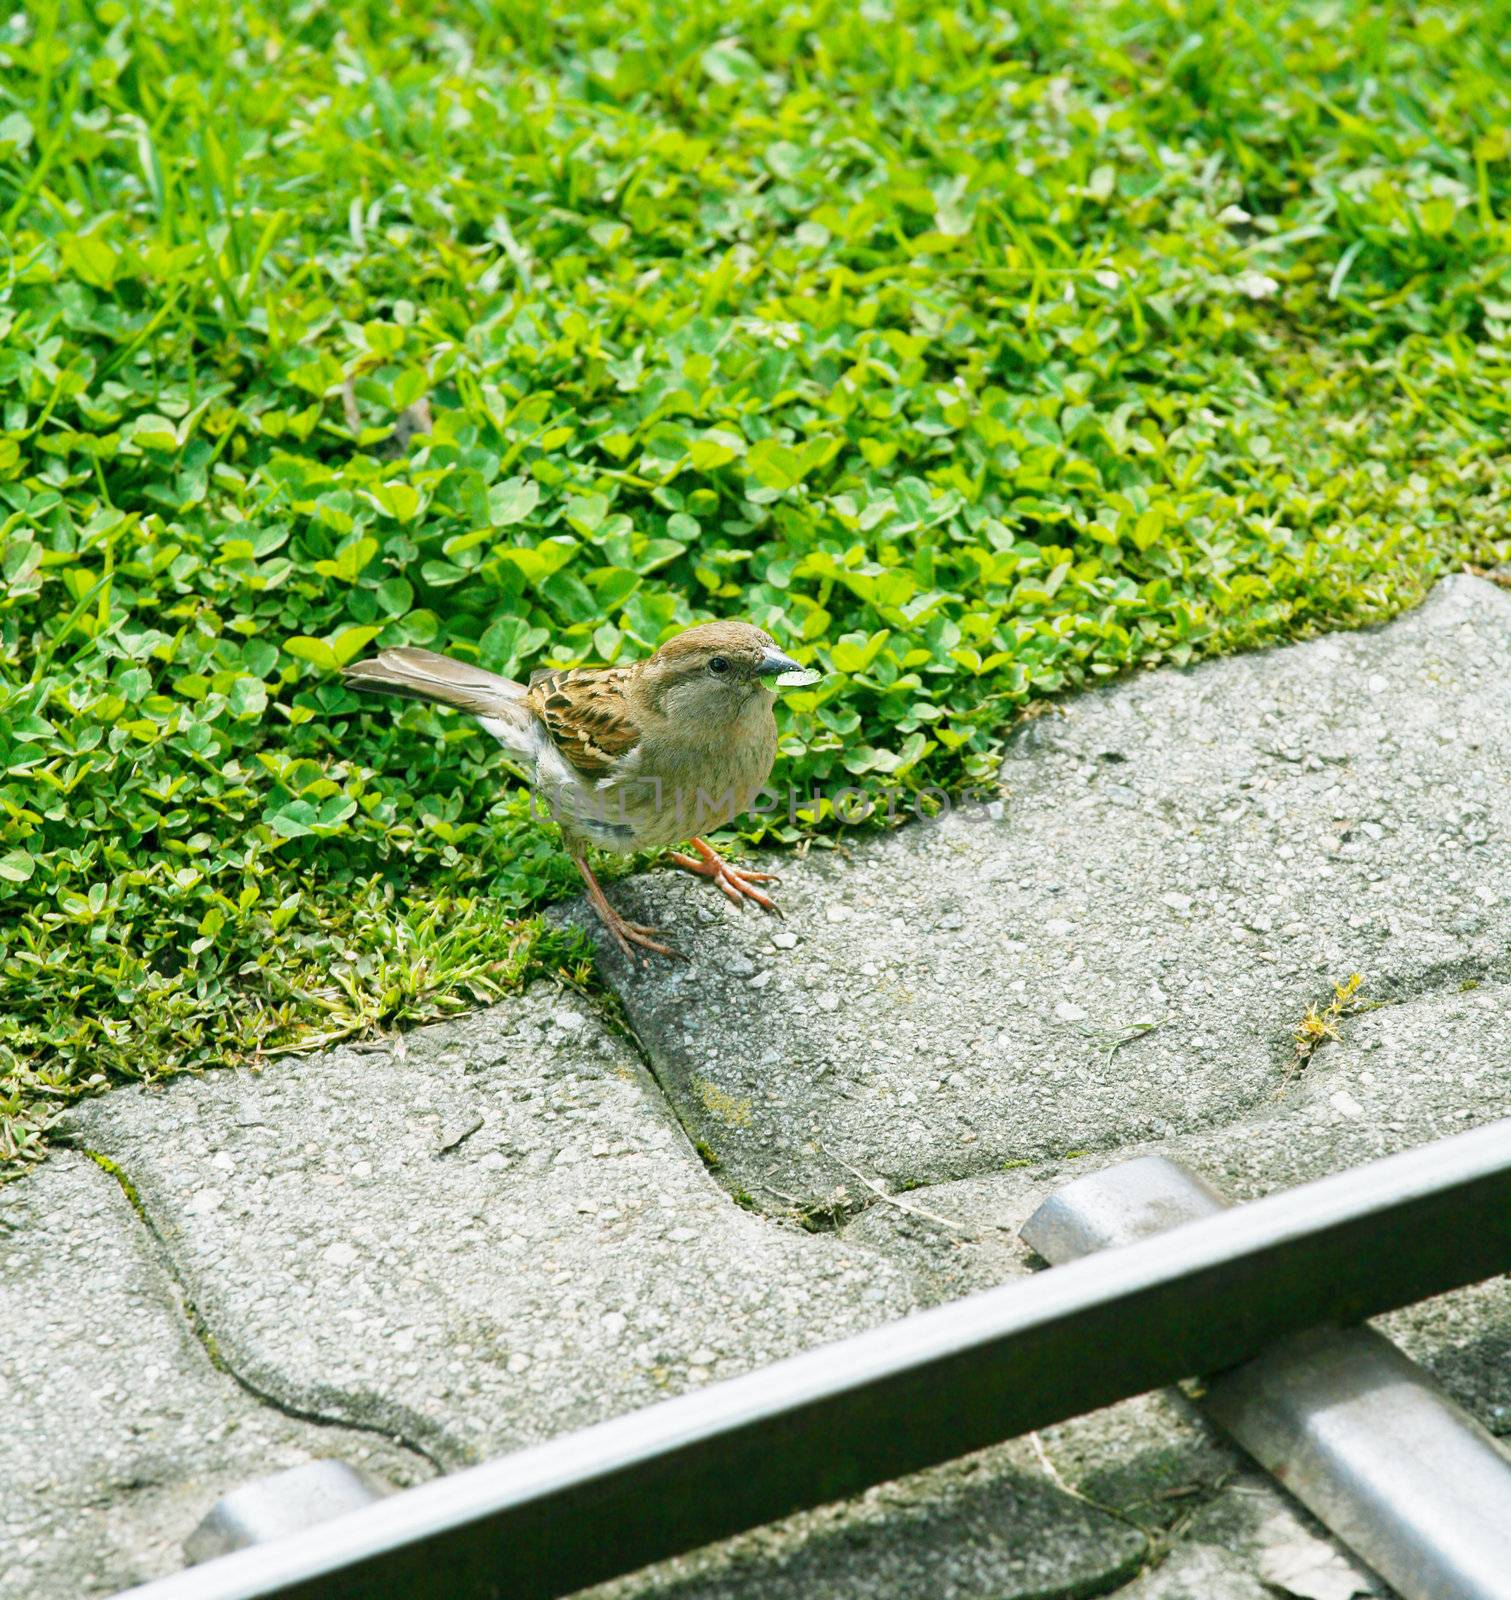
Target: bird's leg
x,y
736,882
625,932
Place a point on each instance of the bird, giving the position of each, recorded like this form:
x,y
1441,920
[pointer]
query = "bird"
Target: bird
x,y
630,757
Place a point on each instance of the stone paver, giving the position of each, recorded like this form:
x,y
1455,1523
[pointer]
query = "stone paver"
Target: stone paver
x,y
1402,1076
1206,850
567,1260
118,1431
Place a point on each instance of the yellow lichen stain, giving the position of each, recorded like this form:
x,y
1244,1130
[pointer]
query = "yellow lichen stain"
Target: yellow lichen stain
x,y
722,1104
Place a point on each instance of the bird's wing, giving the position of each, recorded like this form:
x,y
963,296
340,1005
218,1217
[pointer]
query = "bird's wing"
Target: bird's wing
x,y
586,712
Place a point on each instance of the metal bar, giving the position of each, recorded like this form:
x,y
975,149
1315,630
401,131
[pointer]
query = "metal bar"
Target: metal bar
x,y
1359,1434
1366,1440
833,1421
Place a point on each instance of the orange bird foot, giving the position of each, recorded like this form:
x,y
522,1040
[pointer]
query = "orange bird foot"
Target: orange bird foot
x,y
629,936
737,884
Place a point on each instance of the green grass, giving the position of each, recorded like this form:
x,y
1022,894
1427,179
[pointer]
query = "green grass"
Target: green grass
x,y
981,352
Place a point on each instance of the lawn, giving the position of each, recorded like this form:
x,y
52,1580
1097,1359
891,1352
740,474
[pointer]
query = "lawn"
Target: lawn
x,y
980,352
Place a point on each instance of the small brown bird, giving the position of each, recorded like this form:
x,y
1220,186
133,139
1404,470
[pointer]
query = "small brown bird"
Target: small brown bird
x,y
627,758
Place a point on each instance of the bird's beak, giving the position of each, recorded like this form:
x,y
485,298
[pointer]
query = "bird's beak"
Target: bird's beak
x,y
774,664
783,672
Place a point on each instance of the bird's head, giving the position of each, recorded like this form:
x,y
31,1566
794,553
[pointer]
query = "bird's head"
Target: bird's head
x,y
710,674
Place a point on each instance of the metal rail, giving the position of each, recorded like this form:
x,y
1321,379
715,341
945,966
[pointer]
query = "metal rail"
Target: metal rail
x,y
833,1421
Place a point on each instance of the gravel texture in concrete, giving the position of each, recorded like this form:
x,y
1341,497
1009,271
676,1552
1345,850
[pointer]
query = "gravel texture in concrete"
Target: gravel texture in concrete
x,y
119,1432
489,1235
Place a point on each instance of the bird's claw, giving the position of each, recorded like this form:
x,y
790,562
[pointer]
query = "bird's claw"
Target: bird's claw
x,y
738,884
626,934
638,942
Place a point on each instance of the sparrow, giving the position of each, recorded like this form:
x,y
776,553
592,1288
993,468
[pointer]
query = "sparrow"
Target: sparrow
x,y
625,758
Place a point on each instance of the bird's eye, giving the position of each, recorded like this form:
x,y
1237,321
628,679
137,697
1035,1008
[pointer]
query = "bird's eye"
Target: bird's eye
x,y
719,664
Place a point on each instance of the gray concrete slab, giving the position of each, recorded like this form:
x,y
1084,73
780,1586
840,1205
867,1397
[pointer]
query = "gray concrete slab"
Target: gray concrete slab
x,y
1401,1076
119,1432
499,1232
1207,851
490,1234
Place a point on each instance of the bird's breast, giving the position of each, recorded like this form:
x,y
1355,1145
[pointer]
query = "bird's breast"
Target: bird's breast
x,y
693,782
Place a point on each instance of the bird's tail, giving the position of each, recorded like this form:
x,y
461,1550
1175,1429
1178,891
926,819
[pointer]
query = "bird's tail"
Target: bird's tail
x,y
424,675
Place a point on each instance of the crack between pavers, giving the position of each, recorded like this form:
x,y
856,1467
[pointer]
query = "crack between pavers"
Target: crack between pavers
x,y
611,1013
830,1214
1462,975
1440,979
204,1336
824,1216
1109,1582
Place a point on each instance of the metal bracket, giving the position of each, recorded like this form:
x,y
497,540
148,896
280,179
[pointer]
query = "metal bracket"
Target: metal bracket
x,y
1361,1435
280,1504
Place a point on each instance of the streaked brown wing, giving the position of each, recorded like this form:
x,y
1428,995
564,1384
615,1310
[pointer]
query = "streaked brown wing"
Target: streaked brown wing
x,y
585,711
